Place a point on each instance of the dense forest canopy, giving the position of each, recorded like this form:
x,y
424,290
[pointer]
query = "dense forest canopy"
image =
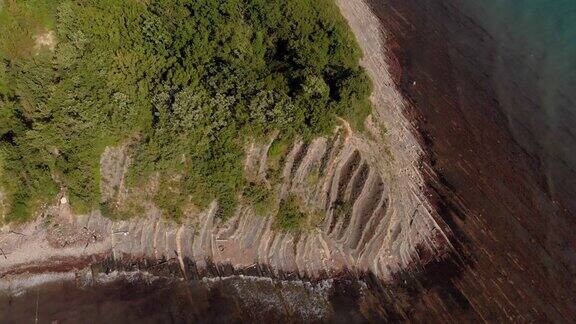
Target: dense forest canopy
x,y
186,82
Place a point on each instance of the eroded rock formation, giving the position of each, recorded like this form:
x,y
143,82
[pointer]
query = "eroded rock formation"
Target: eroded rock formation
x,y
379,232
365,189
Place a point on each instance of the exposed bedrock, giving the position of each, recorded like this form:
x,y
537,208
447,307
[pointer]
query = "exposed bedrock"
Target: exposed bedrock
x,y
363,193
363,227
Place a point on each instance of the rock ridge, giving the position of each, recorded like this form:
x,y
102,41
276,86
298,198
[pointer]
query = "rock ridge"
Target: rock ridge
x,y
367,189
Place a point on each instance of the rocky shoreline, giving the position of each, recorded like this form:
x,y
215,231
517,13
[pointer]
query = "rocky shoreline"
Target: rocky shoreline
x,y
513,243
451,221
377,173
390,240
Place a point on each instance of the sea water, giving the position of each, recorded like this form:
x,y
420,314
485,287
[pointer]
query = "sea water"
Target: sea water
x,y
535,78
535,74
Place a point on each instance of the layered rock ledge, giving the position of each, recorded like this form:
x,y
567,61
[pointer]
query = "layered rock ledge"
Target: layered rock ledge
x,y
388,228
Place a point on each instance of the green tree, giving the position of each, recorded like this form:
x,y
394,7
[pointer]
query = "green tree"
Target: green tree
x,y
189,82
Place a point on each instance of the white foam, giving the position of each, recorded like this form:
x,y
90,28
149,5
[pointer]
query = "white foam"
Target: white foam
x,y
18,285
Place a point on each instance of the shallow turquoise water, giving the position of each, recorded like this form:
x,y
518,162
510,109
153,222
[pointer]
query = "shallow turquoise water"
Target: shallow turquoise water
x,y
535,74
540,33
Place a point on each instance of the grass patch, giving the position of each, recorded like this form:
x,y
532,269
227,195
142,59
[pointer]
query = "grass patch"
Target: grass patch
x,y
259,197
290,217
276,155
127,210
313,177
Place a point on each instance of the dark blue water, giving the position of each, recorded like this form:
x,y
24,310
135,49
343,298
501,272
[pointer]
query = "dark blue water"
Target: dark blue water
x,y
535,77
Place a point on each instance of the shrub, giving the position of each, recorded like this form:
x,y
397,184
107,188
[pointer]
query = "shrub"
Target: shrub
x,y
290,217
259,197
